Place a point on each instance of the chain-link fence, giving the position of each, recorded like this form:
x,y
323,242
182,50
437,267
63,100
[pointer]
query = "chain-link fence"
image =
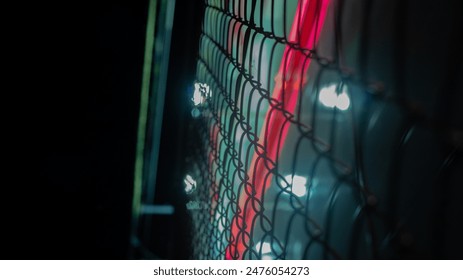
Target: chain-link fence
x,y
321,130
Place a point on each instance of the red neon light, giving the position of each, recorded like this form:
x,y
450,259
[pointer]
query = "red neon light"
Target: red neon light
x,y
310,16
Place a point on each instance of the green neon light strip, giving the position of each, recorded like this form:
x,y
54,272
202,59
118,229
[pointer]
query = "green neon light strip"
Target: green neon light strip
x,y
142,119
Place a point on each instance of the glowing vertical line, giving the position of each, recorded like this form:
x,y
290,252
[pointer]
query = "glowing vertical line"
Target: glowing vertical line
x,y
142,118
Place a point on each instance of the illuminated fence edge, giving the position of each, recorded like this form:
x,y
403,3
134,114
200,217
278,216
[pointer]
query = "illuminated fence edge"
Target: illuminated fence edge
x,y
289,156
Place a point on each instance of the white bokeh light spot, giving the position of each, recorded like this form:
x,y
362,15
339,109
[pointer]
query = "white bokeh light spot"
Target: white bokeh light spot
x,y
197,95
343,102
329,98
190,184
201,93
298,183
266,247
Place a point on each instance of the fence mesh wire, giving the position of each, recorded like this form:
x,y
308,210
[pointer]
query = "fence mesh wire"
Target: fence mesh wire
x,y
308,139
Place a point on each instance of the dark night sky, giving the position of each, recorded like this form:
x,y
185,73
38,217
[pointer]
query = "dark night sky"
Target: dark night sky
x,y
75,135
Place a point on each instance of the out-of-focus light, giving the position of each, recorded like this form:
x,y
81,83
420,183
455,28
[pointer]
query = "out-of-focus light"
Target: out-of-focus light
x,y
197,96
329,98
266,247
343,101
195,113
207,91
190,184
298,184
201,93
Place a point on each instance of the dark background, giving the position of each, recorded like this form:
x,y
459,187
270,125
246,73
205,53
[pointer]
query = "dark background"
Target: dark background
x,y
69,181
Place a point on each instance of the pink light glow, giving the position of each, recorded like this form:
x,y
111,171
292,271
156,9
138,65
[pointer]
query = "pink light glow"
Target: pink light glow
x,y
310,15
